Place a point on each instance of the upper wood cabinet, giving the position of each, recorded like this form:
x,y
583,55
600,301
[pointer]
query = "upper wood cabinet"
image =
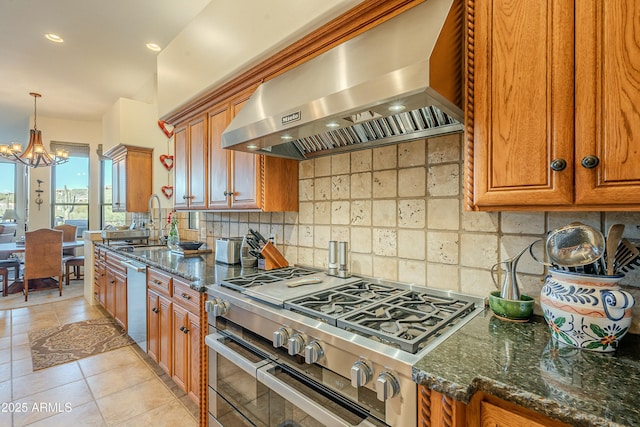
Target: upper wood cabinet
x,y
231,180
242,180
552,118
190,164
131,176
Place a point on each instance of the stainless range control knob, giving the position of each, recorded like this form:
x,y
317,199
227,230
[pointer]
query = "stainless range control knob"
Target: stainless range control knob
x,y
295,344
313,352
387,386
361,373
280,337
216,307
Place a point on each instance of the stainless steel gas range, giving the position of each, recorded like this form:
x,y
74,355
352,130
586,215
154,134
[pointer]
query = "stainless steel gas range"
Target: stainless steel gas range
x,y
295,346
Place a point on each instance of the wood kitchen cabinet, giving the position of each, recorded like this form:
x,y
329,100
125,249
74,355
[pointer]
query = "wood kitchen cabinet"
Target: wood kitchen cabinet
x,y
99,276
131,177
159,330
115,292
240,180
438,410
186,339
552,118
190,164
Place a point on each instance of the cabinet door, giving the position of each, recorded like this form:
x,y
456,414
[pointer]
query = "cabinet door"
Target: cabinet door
x,y
110,292
245,179
153,325
119,186
165,333
121,300
218,159
520,76
193,386
197,163
180,168
607,94
180,347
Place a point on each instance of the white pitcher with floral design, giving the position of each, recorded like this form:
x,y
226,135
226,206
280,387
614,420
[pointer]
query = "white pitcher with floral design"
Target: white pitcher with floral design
x,y
586,311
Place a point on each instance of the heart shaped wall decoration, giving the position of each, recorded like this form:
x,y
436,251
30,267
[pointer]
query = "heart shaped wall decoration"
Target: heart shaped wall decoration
x,y
166,128
167,190
167,161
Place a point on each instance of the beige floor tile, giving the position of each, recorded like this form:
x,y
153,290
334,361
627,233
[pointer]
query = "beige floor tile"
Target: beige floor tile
x,y
21,351
5,342
119,378
6,419
5,330
86,415
46,379
148,395
21,367
173,414
5,354
103,362
5,372
5,391
40,308
34,326
59,400
20,339
33,317
79,316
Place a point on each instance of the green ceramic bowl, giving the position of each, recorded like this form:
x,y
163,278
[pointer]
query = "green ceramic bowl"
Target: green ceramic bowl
x,y
513,310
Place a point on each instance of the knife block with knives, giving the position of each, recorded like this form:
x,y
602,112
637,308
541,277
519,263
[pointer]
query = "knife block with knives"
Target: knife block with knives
x,y
269,257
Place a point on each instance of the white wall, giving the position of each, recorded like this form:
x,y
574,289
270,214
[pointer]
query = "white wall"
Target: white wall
x,y
83,132
224,39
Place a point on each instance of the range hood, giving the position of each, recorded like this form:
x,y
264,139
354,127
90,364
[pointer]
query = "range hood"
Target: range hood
x,y
397,82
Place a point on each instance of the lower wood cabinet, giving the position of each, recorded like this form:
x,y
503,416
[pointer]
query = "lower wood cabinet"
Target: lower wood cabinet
x,y
120,296
173,330
159,330
438,410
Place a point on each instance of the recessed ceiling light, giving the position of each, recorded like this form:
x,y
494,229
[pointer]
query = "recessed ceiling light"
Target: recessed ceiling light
x,y
286,137
333,125
252,147
54,38
154,47
396,108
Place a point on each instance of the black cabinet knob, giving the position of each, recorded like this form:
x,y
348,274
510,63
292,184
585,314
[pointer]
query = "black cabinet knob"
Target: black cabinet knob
x,y
558,164
590,162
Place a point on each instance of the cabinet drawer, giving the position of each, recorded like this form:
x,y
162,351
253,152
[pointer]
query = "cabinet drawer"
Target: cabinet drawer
x,y
159,281
114,262
185,296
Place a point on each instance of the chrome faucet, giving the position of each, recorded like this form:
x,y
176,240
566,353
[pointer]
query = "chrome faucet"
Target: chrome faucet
x,y
161,237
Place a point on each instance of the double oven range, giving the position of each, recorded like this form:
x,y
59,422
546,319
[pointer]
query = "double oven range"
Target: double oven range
x,y
294,346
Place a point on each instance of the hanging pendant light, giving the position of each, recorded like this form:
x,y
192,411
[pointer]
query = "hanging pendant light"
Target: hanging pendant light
x,y
35,155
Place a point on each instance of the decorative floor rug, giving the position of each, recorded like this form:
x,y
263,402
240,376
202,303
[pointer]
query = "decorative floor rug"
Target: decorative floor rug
x,y
74,341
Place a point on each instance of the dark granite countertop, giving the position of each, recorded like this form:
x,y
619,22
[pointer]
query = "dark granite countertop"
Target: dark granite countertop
x,y
519,362
200,269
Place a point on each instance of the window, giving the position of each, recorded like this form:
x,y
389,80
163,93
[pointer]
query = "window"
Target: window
x,y
108,216
70,184
7,186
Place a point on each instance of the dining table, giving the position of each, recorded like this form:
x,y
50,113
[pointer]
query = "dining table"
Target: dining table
x,y
20,247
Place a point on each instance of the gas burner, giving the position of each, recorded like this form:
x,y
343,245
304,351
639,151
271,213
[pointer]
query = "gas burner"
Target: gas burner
x,y
332,309
391,328
424,308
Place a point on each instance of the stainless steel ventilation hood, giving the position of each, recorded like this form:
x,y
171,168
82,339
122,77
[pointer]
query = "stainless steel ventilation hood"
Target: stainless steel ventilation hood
x,y
399,81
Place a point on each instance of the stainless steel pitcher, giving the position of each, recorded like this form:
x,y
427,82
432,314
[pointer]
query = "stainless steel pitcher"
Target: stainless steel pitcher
x,y
510,289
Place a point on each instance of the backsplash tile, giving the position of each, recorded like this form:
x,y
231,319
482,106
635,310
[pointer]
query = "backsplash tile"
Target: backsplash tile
x,y
400,208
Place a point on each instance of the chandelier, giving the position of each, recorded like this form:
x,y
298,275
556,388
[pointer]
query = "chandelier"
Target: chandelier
x,y
35,154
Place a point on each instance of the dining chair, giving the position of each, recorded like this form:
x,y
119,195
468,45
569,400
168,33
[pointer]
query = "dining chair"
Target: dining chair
x,y
8,228
7,261
69,255
42,256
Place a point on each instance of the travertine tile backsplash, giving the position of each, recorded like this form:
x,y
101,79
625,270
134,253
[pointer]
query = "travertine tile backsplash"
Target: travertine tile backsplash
x,y
400,208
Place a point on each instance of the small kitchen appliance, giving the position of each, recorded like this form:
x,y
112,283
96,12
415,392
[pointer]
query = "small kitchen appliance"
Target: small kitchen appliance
x,y
228,250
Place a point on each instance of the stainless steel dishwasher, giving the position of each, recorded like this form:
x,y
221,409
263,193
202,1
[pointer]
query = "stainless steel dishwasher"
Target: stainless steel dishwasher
x,y
137,302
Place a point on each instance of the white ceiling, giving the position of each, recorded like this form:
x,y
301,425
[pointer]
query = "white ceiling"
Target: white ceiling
x,y
103,56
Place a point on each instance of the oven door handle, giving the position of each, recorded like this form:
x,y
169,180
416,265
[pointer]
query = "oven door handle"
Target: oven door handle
x,y
213,341
310,406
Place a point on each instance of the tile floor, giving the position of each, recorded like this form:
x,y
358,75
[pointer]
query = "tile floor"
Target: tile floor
x,y
117,388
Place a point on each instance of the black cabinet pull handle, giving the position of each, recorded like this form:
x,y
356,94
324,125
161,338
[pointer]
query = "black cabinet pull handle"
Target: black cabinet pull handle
x,y
185,296
155,309
590,162
558,165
